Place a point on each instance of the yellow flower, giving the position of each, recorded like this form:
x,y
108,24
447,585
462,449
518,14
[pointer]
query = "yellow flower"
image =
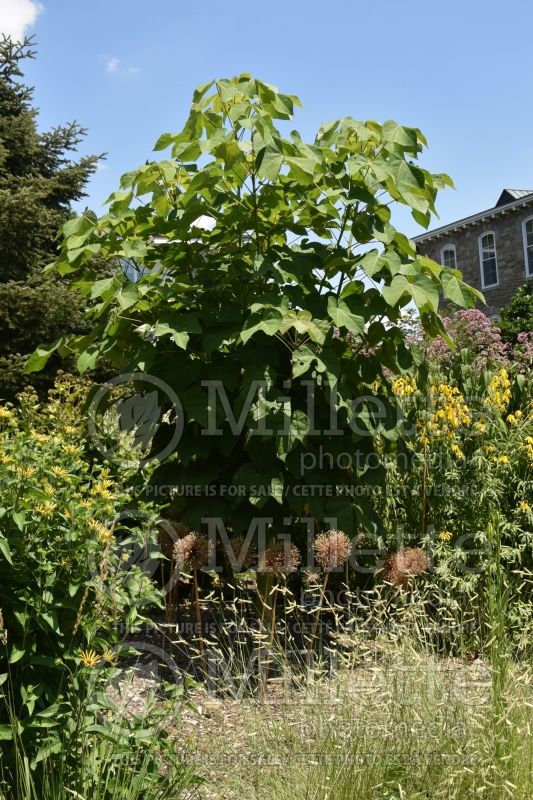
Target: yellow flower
x,y
499,392
109,656
5,458
104,534
59,471
456,450
89,658
46,509
6,413
26,472
524,507
71,449
445,536
70,430
49,490
480,426
403,386
39,437
101,490
502,460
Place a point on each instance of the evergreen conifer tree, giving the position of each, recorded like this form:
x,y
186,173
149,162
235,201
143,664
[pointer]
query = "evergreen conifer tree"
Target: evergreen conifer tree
x,y
39,180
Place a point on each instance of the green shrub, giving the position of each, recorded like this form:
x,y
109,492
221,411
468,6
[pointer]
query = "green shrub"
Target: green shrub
x,y
63,587
468,469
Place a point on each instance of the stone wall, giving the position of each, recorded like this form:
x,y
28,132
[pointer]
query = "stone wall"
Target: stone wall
x,y
507,228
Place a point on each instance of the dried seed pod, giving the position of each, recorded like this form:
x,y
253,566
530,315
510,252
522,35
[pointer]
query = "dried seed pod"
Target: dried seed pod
x,y
280,559
167,538
332,549
400,568
193,550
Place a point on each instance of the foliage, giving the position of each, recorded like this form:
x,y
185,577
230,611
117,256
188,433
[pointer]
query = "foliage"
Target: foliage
x,y
517,317
38,183
64,592
106,768
468,469
256,256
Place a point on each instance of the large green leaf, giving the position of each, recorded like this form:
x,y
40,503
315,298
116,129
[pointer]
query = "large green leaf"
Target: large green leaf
x,y
268,322
342,316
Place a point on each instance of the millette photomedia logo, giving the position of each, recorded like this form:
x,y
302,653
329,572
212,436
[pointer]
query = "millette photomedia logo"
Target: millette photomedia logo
x,y
127,413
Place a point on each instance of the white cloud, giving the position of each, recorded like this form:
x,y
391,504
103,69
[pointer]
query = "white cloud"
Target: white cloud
x,y
115,66
16,16
111,64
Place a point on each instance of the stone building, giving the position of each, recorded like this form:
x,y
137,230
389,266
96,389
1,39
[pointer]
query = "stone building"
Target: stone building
x,y
493,249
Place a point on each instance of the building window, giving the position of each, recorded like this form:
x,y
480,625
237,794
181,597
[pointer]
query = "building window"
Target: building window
x,y
448,256
527,233
488,260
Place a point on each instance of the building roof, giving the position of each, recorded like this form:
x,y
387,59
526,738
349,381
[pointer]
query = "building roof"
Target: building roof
x,y
507,201
508,195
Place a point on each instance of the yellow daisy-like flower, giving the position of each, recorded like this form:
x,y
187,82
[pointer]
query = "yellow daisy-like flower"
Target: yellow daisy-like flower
x,y
46,509
60,472
49,490
6,413
105,536
109,656
5,458
480,426
89,658
71,449
39,437
101,490
70,430
524,507
26,472
445,536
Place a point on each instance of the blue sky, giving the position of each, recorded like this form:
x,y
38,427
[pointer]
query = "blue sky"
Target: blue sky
x,y
460,71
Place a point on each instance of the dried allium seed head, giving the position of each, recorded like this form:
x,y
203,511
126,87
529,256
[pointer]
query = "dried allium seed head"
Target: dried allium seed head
x,y
332,549
248,553
193,550
311,578
401,567
167,538
281,559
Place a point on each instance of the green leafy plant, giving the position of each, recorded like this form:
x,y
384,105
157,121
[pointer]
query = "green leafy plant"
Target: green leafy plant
x,y
464,491
246,259
66,598
517,317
